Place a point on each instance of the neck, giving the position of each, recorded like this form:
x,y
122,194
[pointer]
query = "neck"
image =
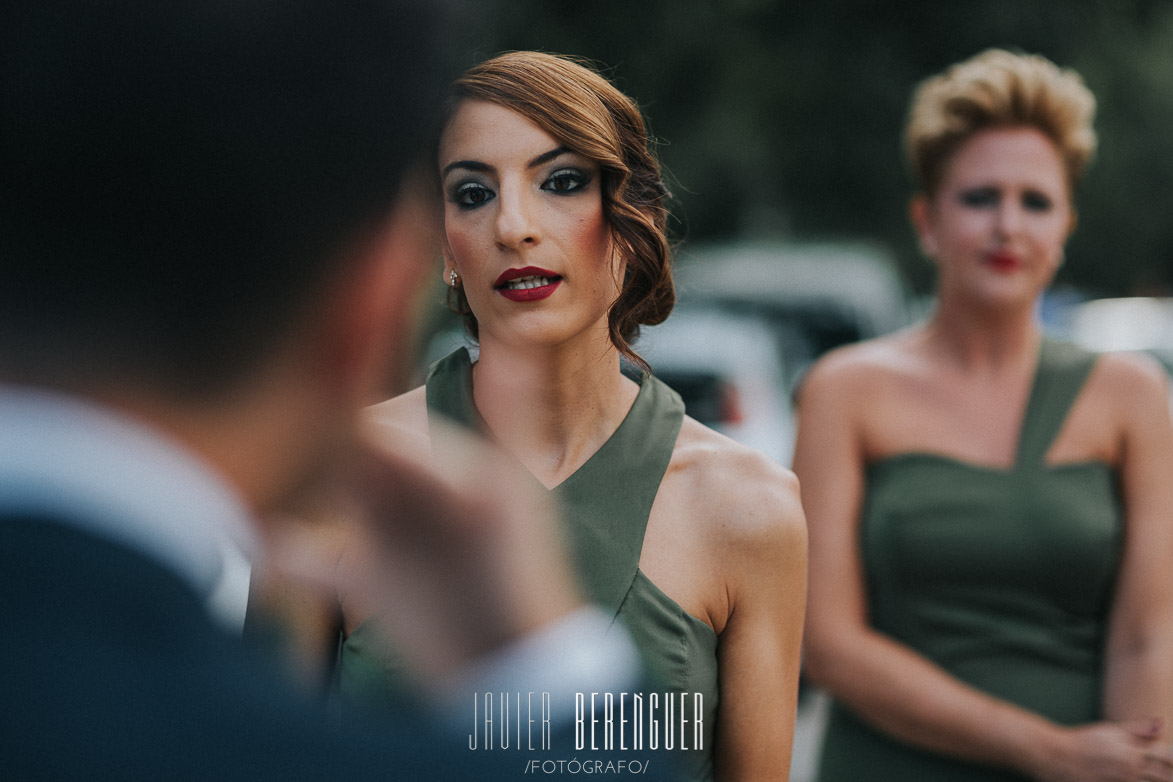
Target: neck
x,y
988,338
551,407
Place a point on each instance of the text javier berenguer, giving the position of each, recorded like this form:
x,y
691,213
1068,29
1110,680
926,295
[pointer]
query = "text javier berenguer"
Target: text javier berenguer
x,y
602,721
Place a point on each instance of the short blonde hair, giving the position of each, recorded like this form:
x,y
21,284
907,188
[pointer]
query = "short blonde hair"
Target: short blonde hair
x,y
998,89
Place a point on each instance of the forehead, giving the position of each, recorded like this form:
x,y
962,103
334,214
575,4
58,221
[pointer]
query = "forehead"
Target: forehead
x,y
486,132
1007,155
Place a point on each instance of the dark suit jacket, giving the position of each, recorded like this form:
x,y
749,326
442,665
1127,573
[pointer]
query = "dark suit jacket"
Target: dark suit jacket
x,y
110,668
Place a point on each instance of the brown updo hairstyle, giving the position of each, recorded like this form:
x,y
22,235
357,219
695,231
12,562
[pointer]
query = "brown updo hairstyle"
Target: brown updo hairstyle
x,y
998,89
584,112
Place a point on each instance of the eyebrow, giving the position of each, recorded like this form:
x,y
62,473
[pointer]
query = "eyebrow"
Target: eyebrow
x,y
476,165
545,157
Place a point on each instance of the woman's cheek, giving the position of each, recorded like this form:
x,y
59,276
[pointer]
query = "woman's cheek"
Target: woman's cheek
x,y
461,245
593,232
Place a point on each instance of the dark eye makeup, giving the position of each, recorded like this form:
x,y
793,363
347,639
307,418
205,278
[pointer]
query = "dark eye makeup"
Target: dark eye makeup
x,y
979,197
565,181
1034,201
469,195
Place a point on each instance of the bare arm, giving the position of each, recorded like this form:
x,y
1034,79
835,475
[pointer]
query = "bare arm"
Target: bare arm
x,y
759,647
1139,659
891,686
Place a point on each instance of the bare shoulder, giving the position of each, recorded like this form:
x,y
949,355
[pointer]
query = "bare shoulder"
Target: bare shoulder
x,y
1131,375
402,421
1133,384
737,496
862,367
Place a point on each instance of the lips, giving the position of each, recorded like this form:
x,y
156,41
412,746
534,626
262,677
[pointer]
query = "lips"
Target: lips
x,y
529,283
1003,261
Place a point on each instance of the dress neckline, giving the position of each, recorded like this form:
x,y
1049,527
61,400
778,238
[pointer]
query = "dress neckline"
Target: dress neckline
x,y
1060,369
466,413
606,502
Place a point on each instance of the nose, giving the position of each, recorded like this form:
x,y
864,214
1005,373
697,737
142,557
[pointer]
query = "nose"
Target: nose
x,y
517,225
1010,217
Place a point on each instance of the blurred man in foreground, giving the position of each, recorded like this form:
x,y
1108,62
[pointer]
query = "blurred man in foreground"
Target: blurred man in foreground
x,y
209,246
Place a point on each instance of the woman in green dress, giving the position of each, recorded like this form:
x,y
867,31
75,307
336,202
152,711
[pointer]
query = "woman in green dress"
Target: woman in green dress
x,y
554,247
991,511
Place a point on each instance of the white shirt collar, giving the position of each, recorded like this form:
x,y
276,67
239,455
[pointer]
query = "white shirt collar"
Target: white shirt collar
x,y
110,475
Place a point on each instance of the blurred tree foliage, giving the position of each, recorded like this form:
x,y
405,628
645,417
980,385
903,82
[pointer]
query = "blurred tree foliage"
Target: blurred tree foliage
x,y
783,118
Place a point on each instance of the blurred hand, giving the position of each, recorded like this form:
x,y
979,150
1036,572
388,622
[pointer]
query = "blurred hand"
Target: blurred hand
x,y
459,562
1110,752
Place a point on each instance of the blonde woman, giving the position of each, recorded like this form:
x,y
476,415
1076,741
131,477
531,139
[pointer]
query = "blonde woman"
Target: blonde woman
x,y
991,512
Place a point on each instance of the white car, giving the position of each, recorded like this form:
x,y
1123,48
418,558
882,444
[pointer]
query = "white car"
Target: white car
x,y
727,367
1133,323
815,295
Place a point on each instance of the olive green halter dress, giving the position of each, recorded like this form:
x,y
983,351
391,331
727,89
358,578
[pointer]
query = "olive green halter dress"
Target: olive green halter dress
x,y
605,505
1003,577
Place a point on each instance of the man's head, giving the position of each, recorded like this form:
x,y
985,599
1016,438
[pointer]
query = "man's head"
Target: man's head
x,y
184,181
201,218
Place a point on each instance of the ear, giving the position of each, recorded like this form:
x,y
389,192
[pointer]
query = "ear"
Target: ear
x,y
449,263
1073,222
920,214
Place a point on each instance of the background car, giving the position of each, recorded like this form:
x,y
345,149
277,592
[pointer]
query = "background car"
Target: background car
x,y
728,369
1134,323
815,295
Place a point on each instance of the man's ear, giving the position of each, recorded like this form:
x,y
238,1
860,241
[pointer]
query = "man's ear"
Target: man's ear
x,y
919,214
370,346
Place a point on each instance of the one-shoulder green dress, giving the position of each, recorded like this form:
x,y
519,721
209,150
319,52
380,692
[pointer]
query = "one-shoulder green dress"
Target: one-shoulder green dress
x,y
1003,577
605,505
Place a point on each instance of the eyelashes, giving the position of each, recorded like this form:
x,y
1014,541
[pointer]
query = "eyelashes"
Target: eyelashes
x,y
565,181
470,194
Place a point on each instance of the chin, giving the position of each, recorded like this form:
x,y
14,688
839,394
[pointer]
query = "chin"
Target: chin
x,y
546,329
1009,300
995,295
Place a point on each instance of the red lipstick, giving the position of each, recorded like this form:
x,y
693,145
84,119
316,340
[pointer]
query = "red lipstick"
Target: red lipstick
x,y
1003,262
529,283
